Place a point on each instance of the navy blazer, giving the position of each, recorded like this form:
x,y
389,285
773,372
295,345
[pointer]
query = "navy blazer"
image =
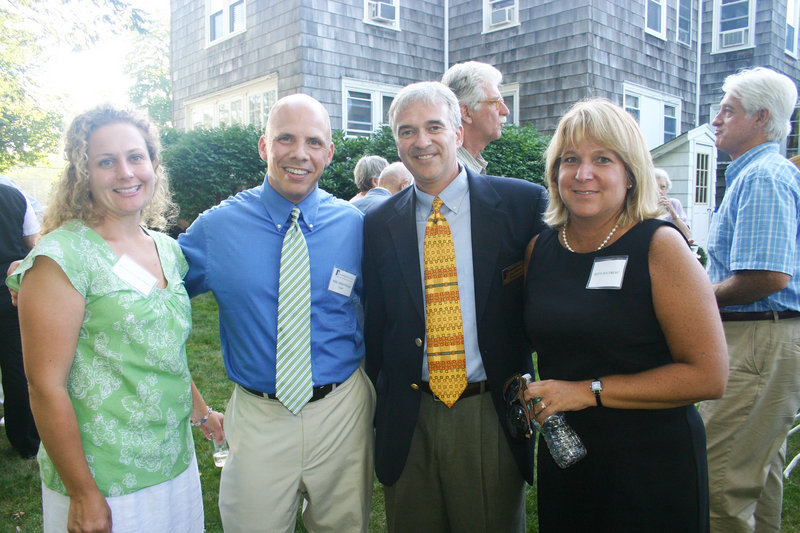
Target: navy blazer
x,y
506,214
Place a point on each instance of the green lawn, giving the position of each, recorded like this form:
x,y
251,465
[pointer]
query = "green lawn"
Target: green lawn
x,y
20,503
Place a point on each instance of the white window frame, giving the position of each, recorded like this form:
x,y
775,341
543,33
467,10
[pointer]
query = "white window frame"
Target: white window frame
x,y
509,9
641,92
675,117
793,22
223,8
375,13
212,107
376,91
679,5
747,34
511,90
661,31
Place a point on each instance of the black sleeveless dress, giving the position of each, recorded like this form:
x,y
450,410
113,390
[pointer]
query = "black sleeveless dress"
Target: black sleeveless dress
x,y
645,470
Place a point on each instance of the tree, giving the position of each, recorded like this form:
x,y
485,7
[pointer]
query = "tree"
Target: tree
x,y
28,132
149,66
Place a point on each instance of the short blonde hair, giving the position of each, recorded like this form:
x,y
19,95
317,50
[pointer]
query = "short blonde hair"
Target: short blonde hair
x,y
72,198
614,129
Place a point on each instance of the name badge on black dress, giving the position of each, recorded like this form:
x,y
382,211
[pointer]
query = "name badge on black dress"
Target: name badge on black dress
x,y
607,272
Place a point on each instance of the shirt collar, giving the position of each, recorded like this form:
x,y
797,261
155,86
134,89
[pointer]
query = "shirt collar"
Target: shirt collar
x,y
452,196
279,208
737,165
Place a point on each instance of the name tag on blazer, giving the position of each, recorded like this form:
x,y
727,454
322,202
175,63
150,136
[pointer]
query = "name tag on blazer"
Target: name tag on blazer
x,y
513,272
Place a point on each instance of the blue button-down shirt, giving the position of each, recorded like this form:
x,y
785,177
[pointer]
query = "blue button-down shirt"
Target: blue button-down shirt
x,y
756,226
234,250
456,210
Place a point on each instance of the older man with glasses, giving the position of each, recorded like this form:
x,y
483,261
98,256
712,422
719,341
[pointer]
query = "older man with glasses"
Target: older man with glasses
x,y
483,110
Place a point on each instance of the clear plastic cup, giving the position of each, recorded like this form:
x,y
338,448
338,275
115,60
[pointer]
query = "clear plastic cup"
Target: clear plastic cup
x,y
220,452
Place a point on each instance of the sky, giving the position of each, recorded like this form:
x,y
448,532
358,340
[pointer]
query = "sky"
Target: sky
x,y
96,75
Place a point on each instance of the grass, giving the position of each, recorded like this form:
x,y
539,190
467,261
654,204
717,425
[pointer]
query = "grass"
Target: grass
x,y
20,505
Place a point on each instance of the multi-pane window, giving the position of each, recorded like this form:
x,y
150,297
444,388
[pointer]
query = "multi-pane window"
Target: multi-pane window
x,y
656,16
365,105
733,21
701,179
670,123
792,14
359,112
247,104
225,18
792,144
382,13
685,21
499,14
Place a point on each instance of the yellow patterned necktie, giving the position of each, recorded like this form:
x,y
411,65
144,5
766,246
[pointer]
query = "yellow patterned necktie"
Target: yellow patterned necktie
x,y
447,368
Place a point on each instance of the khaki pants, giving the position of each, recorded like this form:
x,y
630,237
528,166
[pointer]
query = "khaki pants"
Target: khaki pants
x,y
323,456
460,475
746,428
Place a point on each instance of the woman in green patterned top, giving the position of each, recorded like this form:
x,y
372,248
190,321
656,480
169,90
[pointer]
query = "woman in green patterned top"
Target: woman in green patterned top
x,y
104,319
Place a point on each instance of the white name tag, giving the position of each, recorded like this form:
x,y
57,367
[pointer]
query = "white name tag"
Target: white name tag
x,y
134,275
342,282
607,272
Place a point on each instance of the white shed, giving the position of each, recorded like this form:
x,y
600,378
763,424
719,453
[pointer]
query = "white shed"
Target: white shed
x,y
691,161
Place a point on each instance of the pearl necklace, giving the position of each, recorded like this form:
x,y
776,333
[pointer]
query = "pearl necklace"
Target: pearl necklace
x,y
566,243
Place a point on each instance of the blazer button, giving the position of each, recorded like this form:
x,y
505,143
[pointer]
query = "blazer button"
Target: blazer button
x,y
418,342
415,386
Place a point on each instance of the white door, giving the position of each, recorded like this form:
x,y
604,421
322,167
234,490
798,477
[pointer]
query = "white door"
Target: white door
x,y
704,186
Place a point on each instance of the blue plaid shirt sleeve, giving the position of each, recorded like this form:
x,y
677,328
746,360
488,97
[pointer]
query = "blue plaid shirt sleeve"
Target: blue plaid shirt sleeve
x,y
764,236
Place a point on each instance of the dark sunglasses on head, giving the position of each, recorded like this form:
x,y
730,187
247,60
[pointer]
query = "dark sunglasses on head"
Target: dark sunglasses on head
x,y
517,414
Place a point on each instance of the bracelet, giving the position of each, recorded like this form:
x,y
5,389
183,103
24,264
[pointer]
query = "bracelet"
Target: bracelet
x,y
202,420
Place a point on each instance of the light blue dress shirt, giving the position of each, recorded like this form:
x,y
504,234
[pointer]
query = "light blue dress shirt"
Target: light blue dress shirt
x,y
456,210
757,225
234,250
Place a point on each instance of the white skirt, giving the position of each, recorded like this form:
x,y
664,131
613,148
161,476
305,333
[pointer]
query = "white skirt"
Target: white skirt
x,y
175,506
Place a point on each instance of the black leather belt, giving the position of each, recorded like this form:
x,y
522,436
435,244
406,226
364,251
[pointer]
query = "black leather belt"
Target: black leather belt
x,y
319,392
471,390
729,316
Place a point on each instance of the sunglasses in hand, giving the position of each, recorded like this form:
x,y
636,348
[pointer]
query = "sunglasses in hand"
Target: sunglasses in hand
x,y
518,414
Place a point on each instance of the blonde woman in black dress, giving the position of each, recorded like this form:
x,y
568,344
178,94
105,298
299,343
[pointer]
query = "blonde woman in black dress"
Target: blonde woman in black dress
x,y
628,337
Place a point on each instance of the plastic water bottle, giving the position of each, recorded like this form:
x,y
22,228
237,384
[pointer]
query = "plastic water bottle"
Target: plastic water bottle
x,y
565,446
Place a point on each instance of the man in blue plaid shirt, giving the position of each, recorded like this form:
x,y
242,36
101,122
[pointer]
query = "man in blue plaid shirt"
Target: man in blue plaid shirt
x,y
753,252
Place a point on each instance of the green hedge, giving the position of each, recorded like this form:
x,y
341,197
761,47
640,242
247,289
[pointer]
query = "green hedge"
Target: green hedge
x,y
208,165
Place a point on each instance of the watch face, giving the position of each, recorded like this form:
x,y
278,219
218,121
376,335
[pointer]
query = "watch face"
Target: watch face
x,y
597,386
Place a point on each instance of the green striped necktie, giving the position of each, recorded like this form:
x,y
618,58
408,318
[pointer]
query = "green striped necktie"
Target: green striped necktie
x,y
293,385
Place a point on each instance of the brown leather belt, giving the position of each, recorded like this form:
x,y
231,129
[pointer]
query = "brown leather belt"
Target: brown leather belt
x,y
471,390
319,392
728,316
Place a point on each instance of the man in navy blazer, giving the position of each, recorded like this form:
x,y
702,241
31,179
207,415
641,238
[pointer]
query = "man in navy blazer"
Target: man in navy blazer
x,y
448,468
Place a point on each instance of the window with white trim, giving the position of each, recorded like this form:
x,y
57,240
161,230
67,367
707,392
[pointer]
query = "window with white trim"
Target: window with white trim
x,y
684,31
246,104
384,13
510,94
500,14
656,18
792,14
792,144
658,114
734,25
701,174
365,105
224,18
670,122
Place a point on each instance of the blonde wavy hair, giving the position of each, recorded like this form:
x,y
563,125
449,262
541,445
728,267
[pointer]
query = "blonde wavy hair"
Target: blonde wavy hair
x,y
72,198
612,128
